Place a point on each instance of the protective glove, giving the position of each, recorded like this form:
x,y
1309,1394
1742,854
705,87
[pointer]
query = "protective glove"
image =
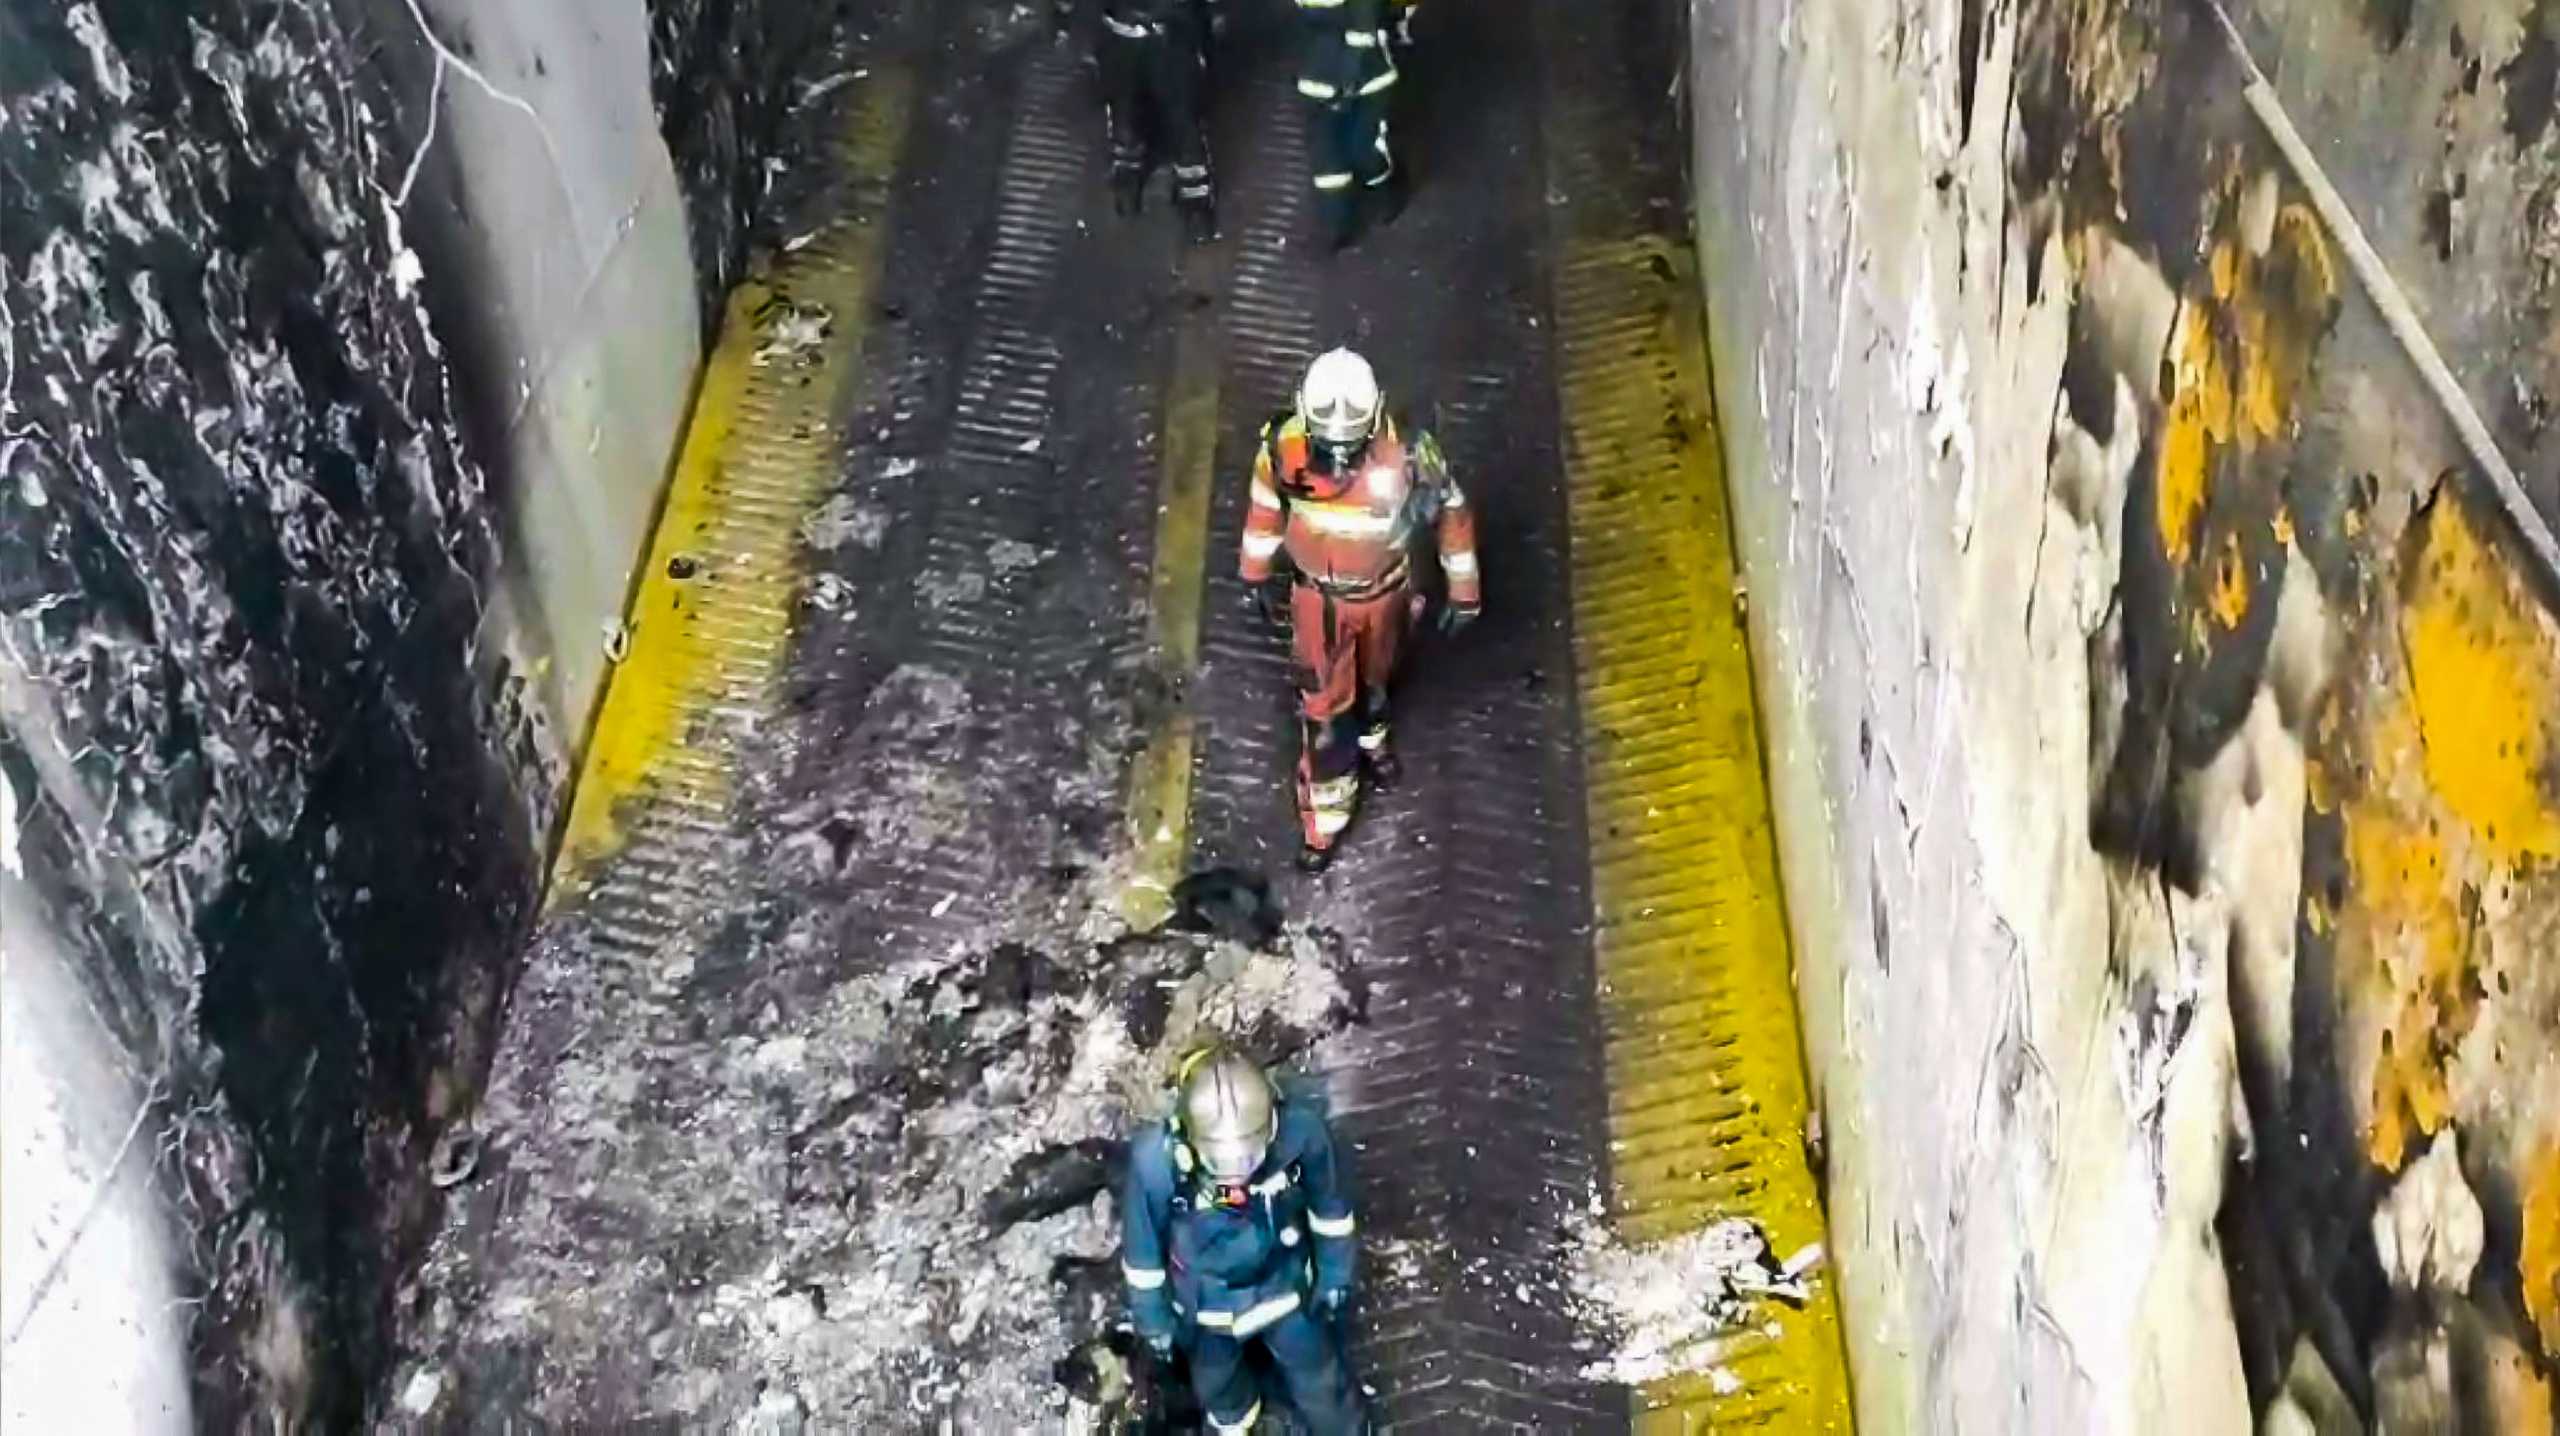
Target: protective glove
x,y
1264,602
1454,617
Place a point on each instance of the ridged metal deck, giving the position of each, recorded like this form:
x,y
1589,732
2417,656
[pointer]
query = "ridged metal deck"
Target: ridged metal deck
x,y
1569,914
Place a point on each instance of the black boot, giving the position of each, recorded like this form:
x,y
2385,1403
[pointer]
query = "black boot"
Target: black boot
x,y
1199,223
1313,859
1385,770
1389,198
1128,191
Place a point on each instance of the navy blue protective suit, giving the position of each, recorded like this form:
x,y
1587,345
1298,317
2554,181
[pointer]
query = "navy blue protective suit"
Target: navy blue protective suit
x,y
1262,1264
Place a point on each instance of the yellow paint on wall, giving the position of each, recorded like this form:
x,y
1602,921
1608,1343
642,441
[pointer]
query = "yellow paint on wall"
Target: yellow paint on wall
x,y
2240,349
2199,418
2486,685
2305,274
2403,924
2456,807
2538,1263
2230,597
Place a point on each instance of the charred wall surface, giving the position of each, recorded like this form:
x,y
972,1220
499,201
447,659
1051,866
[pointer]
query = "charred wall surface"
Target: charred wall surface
x,y
734,80
346,345
2167,717
281,799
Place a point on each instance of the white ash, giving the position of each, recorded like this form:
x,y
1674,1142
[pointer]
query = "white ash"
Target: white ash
x,y
1682,1307
806,1186
794,330
941,590
843,520
1011,556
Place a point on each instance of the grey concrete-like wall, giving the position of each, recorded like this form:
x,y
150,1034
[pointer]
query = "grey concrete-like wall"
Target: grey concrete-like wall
x,y
2162,721
555,259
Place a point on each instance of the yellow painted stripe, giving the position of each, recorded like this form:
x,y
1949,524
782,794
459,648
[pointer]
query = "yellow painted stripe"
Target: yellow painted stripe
x,y
1160,779
1706,1082
711,617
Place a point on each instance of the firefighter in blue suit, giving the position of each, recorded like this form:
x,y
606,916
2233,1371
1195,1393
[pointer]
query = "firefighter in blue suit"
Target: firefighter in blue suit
x,y
1236,1228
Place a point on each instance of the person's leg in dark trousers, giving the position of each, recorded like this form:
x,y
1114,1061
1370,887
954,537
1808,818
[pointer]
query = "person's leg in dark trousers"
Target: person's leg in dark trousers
x,y
1124,98
1223,1384
1310,1361
1179,75
1337,169
1373,160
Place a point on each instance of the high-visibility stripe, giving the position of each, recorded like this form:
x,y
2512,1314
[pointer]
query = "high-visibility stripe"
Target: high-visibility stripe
x,y
1317,90
1335,519
1373,740
1265,496
1253,1318
1265,1313
1126,30
1459,565
1142,1278
1261,545
1272,1185
1333,808
1245,1422
1379,83
1334,181
1340,1226
1365,39
1457,498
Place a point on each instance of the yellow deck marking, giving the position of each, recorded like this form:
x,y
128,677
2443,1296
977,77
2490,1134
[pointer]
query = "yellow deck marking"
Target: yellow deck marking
x,y
1706,1080
710,623
1160,779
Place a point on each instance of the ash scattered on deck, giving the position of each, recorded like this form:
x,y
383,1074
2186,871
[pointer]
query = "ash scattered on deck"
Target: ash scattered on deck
x,y
785,1176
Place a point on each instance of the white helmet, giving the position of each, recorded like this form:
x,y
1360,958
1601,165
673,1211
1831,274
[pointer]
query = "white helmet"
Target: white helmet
x,y
1228,1114
1339,400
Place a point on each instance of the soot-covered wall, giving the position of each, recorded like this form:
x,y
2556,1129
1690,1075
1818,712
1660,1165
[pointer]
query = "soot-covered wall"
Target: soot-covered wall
x,y
731,78
2165,710
337,377
279,799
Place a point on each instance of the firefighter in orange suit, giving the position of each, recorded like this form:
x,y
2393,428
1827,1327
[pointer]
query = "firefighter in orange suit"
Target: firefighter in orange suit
x,y
1347,497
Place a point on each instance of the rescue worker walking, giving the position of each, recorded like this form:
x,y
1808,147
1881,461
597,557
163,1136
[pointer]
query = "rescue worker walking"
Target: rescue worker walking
x,y
1347,497
1153,56
1236,1227
1346,68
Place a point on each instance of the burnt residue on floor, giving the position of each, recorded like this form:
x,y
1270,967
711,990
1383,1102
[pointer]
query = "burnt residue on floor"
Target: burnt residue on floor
x,y
835,1150
1466,888
291,801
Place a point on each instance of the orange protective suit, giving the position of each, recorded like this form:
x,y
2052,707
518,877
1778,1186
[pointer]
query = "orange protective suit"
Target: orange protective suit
x,y
1349,540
